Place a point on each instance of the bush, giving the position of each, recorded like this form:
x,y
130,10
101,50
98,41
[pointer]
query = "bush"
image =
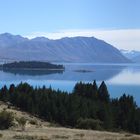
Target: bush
x,y
6,120
22,122
1,135
89,124
33,122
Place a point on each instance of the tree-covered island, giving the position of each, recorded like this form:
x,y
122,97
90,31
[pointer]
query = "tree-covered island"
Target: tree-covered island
x,y
35,65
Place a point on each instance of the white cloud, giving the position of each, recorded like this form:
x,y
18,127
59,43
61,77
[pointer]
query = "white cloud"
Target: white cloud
x,y
122,38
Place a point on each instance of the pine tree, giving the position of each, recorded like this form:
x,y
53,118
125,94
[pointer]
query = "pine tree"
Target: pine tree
x,y
103,93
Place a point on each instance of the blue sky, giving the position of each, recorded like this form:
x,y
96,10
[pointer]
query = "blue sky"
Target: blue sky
x,y
43,17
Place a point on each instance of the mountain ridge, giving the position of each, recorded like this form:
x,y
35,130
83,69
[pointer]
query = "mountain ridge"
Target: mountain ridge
x,y
67,49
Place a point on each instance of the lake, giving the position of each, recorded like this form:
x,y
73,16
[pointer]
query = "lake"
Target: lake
x,y
120,78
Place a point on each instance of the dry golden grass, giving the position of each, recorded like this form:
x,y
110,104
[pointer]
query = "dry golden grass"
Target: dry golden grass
x,y
50,133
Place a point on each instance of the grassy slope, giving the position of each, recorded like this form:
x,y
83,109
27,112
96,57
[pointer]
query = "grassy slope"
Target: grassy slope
x,y
46,131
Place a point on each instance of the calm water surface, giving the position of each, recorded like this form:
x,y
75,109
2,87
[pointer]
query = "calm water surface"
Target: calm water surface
x,y
120,78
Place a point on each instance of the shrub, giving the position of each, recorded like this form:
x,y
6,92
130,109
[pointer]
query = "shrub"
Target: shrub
x,y
6,120
22,122
1,135
89,124
33,122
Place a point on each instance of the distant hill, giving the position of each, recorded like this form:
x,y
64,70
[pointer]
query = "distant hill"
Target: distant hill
x,y
75,49
133,55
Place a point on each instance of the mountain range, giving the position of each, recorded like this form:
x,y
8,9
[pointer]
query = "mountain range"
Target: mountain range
x,y
74,49
132,55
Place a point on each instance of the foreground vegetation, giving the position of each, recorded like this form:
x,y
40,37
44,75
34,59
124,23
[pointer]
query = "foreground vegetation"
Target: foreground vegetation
x,y
87,107
38,129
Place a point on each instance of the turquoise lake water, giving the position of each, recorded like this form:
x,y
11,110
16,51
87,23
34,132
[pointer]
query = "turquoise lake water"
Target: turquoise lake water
x,y
120,78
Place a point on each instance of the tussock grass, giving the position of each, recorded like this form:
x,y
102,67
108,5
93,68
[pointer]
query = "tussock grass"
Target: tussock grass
x,y
80,135
28,137
60,137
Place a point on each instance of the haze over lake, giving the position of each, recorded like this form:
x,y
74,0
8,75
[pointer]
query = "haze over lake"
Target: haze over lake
x,y
120,78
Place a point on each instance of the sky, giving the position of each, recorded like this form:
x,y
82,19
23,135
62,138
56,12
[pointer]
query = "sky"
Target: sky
x,y
115,21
